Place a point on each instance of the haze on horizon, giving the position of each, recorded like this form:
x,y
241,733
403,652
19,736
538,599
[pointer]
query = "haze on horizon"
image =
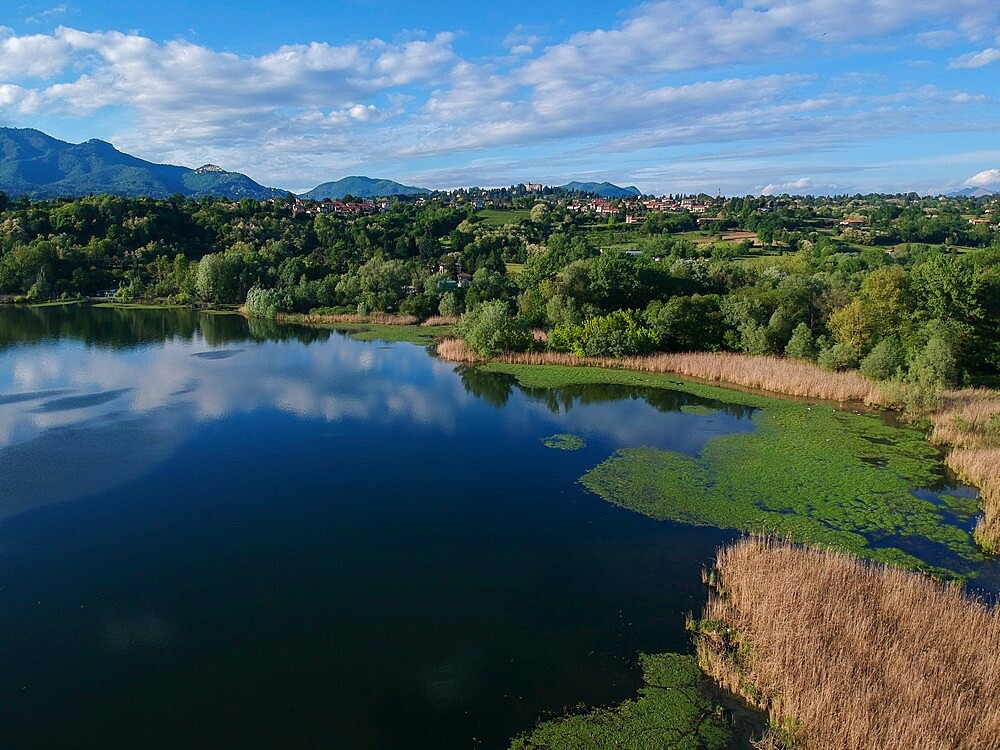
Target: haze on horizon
x,y
806,96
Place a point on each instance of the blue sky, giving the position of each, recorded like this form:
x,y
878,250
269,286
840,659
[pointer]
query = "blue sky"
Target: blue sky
x,y
807,96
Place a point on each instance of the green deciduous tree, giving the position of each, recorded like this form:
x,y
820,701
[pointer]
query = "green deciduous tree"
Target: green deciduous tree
x,y
801,345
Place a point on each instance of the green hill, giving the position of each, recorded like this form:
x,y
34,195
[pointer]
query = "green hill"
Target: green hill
x,y
361,187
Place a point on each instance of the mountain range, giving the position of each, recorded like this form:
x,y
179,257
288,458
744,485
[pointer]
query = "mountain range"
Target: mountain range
x,y
40,166
36,165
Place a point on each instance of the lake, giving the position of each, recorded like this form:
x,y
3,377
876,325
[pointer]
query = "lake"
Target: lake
x,y
230,534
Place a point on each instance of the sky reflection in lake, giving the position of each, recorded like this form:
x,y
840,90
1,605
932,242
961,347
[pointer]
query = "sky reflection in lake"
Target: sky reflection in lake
x,y
204,518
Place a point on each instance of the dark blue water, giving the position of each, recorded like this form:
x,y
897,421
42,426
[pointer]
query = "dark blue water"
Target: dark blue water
x,y
215,534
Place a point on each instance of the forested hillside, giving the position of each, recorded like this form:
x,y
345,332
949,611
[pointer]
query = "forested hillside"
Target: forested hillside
x,y
894,284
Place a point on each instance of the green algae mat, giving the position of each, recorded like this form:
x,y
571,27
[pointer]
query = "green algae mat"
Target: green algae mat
x,y
807,472
564,441
671,713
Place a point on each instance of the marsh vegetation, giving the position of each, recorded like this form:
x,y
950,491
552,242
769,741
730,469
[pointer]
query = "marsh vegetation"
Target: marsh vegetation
x,y
847,654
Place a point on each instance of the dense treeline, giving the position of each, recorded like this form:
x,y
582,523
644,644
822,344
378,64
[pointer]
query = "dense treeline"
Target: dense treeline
x,y
927,311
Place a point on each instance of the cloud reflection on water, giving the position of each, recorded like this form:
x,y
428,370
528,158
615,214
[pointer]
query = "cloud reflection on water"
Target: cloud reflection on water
x,y
105,414
67,409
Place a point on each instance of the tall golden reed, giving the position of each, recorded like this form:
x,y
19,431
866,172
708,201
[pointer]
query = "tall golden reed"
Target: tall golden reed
x,y
441,320
847,654
969,420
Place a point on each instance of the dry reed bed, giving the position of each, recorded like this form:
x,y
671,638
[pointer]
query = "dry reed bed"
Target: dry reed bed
x,y
969,420
787,376
441,320
849,654
375,318
981,467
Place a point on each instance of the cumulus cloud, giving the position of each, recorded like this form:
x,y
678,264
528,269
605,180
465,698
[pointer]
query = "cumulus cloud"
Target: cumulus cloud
x,y
35,56
670,72
205,90
986,179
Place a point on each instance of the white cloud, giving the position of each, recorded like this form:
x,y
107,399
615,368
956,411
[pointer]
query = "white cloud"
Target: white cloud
x,y
964,98
937,39
521,41
671,73
35,56
987,178
801,186
976,59
57,10
678,35
197,82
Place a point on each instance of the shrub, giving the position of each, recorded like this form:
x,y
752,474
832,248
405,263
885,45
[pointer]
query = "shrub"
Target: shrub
x,y
618,334
885,361
838,357
490,329
418,305
263,303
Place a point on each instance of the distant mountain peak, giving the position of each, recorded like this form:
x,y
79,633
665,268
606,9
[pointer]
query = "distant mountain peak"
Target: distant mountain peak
x,y
602,189
972,192
361,187
209,168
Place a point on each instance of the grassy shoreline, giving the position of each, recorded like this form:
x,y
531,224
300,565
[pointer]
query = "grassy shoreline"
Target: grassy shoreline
x,y
374,327
967,421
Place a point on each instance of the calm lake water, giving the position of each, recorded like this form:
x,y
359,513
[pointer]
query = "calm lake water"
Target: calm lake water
x,y
222,534
230,534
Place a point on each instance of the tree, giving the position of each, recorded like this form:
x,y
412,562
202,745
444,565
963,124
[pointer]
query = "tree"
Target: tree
x,y
685,324
801,345
539,212
213,278
448,306
853,326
